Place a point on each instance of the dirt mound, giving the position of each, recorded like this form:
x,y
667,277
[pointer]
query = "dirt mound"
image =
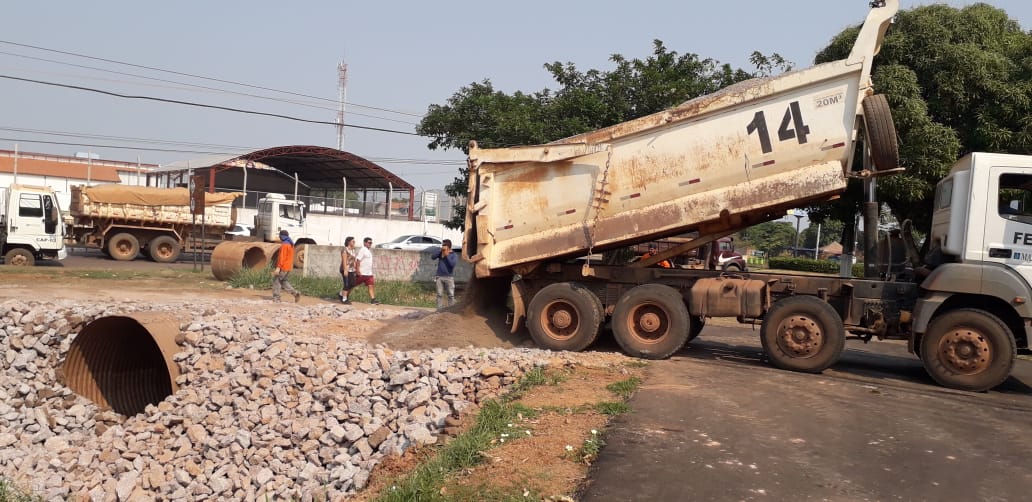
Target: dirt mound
x,y
477,320
450,329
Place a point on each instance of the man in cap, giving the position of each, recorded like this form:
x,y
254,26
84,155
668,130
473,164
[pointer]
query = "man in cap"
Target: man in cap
x,y
653,249
284,264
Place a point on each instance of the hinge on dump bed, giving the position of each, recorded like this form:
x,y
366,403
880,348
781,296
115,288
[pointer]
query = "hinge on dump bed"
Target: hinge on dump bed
x,y
598,201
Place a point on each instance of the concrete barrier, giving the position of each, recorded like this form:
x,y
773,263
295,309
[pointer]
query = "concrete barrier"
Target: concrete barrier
x,y
389,264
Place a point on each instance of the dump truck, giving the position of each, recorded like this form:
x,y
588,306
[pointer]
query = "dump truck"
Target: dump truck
x,y
123,221
538,216
30,225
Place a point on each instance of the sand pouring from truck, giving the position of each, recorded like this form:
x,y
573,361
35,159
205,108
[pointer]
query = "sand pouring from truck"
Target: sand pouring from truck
x,y
537,217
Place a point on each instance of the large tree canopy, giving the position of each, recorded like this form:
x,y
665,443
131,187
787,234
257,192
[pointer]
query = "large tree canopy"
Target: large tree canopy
x,y
958,81
584,101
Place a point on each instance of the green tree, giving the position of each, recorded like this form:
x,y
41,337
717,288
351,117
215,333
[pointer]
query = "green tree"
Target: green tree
x,y
831,231
958,81
771,237
584,101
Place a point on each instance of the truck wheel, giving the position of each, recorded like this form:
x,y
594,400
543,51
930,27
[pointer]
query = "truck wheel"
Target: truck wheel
x,y
563,316
803,333
123,247
651,321
968,349
697,323
733,268
164,249
19,257
880,133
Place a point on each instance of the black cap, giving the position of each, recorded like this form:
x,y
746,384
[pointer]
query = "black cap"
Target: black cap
x,y
284,233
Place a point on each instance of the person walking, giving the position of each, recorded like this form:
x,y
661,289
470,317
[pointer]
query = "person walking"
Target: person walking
x,y
284,264
347,269
445,277
364,268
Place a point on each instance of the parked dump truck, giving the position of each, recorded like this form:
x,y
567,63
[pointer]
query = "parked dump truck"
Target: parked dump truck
x,y
536,216
123,221
30,225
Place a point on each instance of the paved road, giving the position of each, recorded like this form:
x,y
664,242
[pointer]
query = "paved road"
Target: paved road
x,y
715,422
92,259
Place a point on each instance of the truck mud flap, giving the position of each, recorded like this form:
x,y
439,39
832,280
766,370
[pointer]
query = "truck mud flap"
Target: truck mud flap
x,y
124,363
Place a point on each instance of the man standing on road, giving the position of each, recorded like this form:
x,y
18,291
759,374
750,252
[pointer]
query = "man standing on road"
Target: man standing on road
x,y
284,264
364,257
445,278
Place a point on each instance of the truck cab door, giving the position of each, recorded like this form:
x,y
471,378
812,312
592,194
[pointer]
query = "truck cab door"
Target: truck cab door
x,y
26,220
1007,237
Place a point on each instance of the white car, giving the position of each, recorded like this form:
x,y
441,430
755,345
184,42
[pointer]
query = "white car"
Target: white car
x,y
241,229
411,242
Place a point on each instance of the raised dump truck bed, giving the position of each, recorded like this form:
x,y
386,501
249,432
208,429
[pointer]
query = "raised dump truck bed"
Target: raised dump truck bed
x,y
713,165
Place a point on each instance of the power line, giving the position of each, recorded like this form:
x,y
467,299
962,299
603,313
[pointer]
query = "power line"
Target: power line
x,y
201,105
116,147
216,149
231,82
186,84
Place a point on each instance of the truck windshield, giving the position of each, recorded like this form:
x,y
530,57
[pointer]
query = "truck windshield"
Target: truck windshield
x,y
292,212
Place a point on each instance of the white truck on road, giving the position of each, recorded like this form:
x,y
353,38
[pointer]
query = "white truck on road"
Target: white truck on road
x,y
537,216
30,225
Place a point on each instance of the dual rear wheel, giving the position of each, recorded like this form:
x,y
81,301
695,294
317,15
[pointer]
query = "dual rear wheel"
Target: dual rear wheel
x,y
650,321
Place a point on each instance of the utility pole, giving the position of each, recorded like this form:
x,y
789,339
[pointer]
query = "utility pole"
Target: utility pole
x,y
799,217
342,86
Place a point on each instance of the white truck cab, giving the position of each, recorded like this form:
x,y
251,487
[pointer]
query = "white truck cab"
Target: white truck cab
x,y
30,225
275,213
983,213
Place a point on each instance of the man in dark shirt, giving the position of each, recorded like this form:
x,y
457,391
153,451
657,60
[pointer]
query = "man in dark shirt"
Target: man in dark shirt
x,y
445,277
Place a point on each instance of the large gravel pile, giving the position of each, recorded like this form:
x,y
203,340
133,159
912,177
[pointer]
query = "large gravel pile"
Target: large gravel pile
x,y
265,408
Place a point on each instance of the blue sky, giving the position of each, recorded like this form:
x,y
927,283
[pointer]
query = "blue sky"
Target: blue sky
x,y
400,58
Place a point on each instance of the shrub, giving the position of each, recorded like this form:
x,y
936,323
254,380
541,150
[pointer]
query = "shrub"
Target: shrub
x,y
804,265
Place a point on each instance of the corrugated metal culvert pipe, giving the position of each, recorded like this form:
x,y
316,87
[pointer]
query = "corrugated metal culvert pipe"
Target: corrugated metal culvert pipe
x,y
124,362
231,257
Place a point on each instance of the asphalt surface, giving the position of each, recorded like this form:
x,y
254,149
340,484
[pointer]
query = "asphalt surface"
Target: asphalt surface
x,y
716,422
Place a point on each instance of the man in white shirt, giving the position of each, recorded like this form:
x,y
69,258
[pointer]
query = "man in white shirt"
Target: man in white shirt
x,y
364,257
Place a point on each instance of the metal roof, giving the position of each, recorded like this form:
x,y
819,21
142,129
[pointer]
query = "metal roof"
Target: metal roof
x,y
316,167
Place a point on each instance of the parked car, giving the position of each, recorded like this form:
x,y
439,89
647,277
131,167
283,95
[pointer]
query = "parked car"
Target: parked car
x,y
241,229
411,242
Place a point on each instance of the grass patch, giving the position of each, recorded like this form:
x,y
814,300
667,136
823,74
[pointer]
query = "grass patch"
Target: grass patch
x,y
624,388
612,408
495,425
410,294
11,493
464,451
589,449
489,492
536,377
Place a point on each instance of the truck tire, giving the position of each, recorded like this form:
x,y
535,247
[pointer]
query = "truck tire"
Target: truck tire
x,y
651,321
697,323
803,333
880,133
164,249
19,257
563,316
123,247
968,349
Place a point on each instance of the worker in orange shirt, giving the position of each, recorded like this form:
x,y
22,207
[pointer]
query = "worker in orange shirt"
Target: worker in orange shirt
x,y
652,252
284,264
